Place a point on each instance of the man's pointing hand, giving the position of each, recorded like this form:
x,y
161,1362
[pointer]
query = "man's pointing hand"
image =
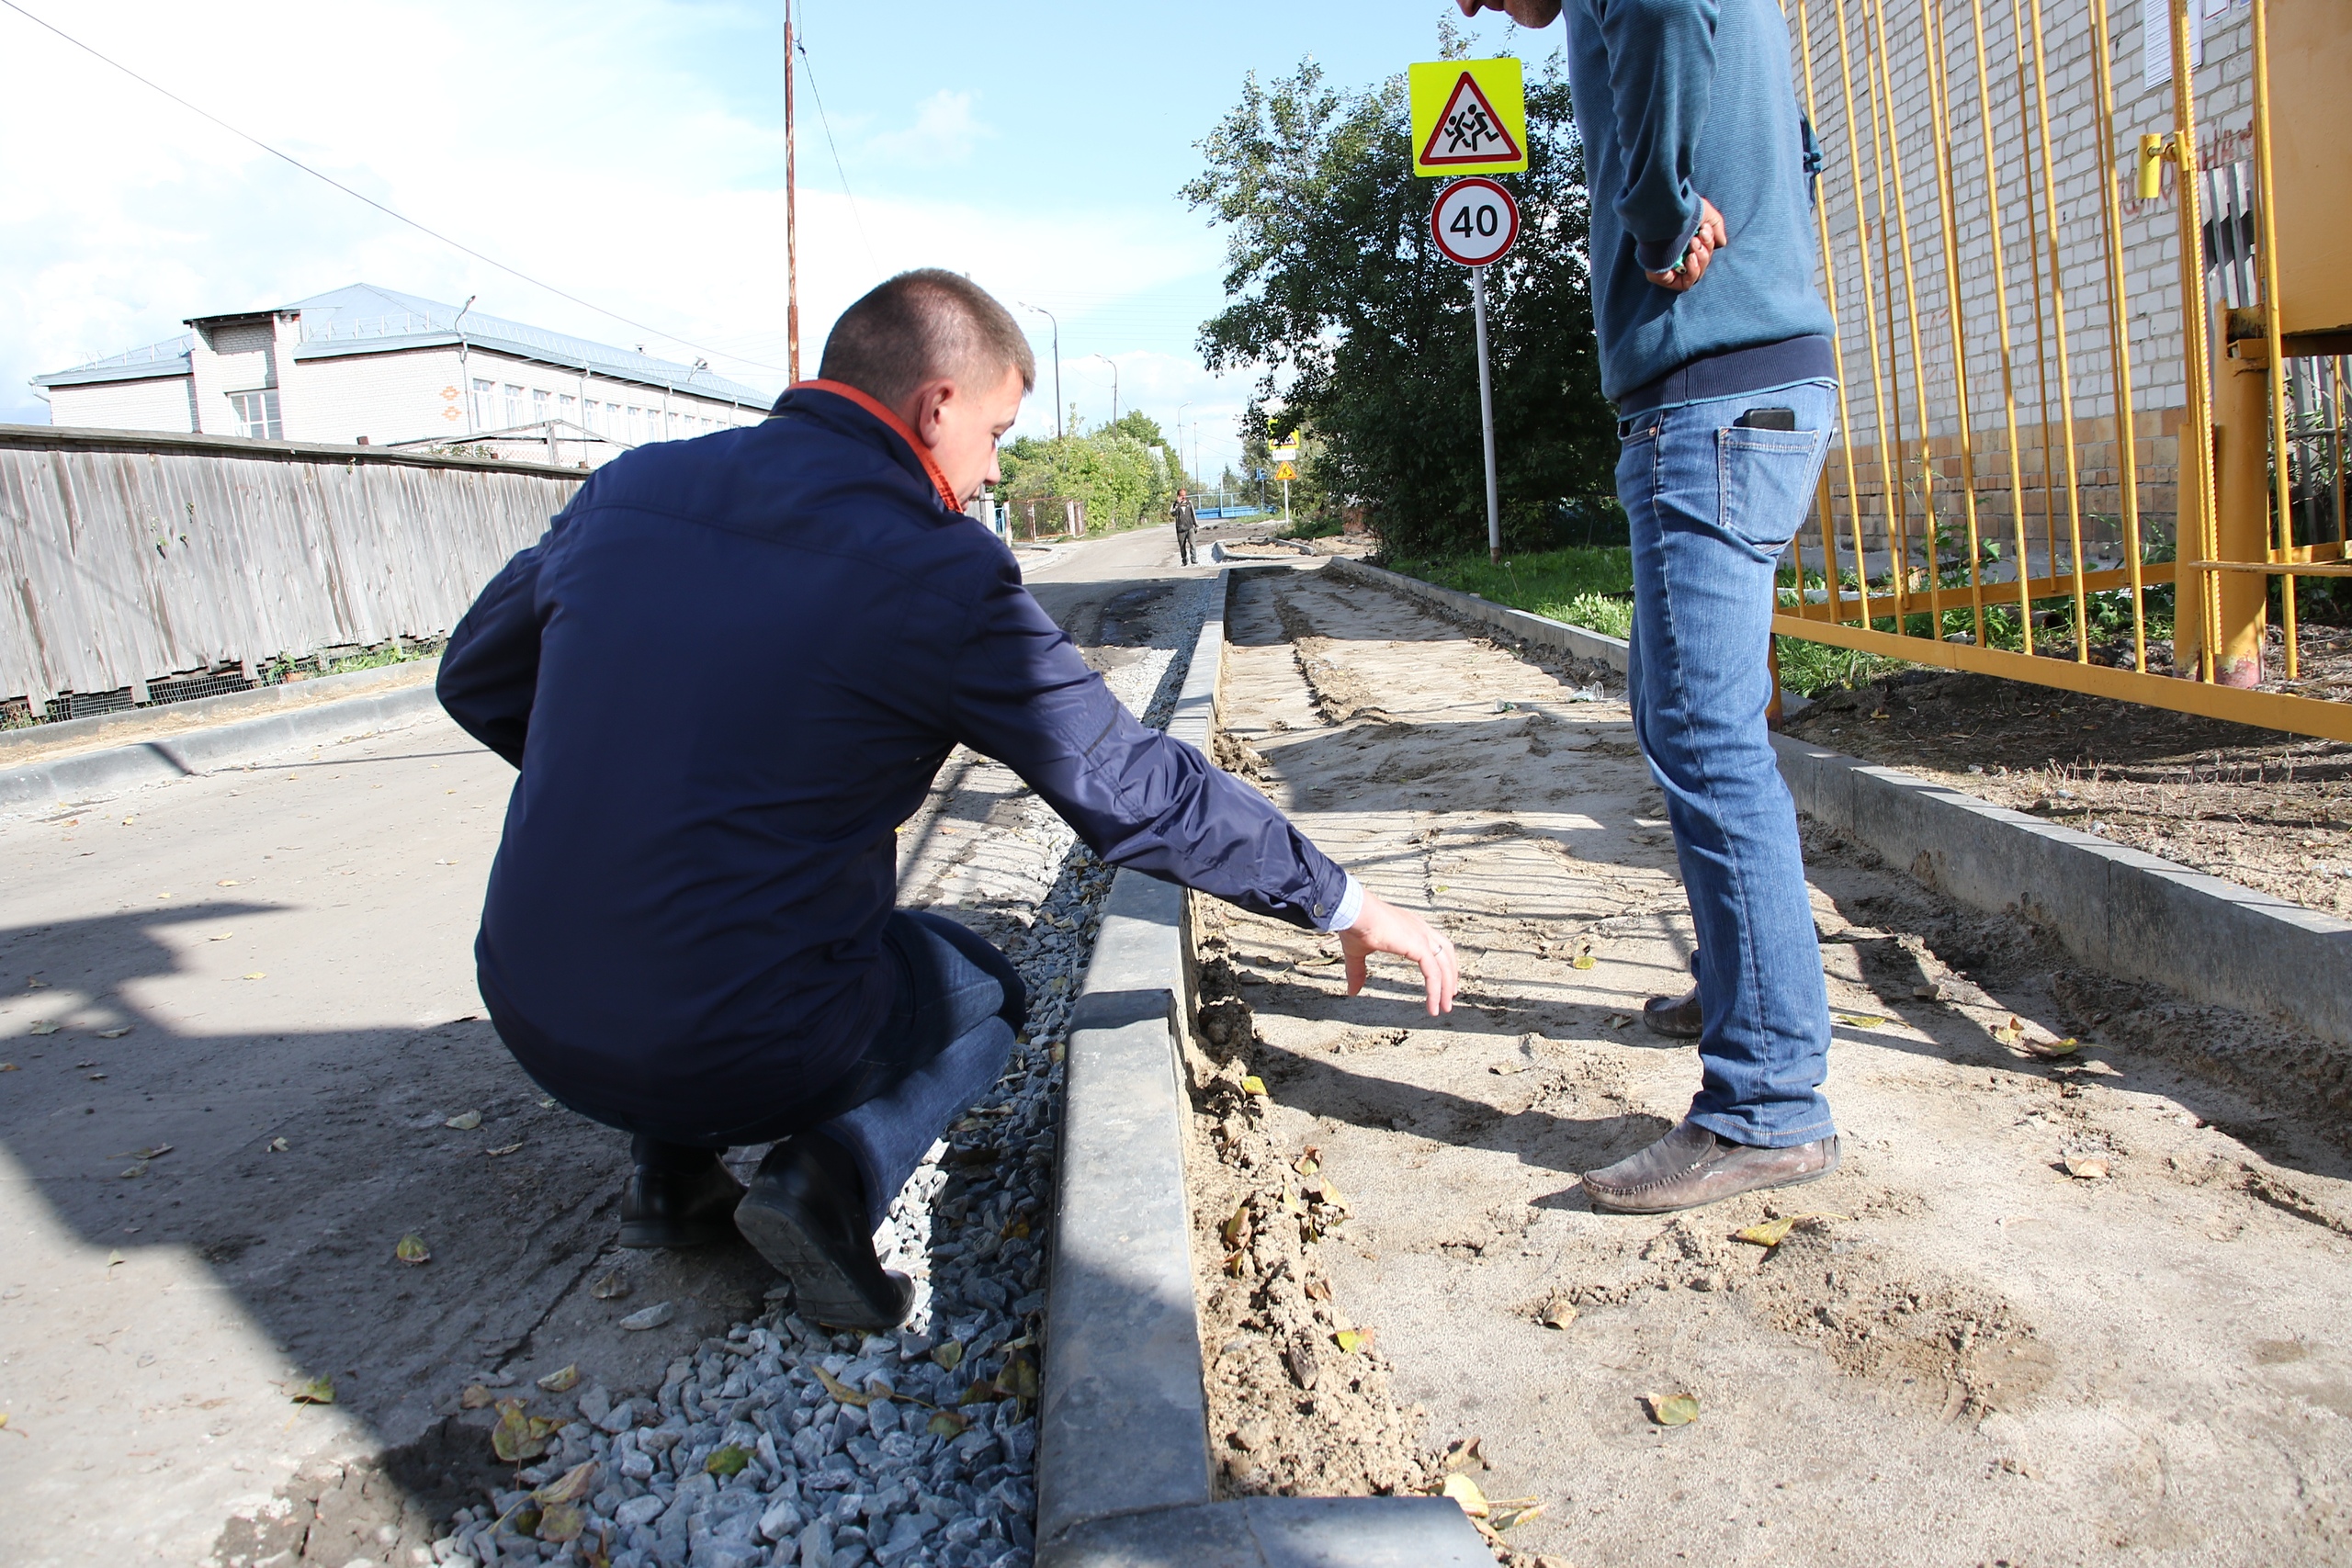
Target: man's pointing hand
x,y
1382,927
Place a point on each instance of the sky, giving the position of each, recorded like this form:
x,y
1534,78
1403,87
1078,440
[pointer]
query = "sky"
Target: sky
x,y
630,153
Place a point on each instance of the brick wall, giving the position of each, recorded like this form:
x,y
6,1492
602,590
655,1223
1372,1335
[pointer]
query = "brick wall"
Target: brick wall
x,y
1902,380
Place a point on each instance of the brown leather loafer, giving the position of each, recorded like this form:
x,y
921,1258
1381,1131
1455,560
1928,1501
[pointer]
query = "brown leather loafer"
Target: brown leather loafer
x,y
1677,1018
1690,1167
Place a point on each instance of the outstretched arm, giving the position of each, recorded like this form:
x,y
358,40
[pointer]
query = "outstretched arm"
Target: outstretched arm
x,y
1144,800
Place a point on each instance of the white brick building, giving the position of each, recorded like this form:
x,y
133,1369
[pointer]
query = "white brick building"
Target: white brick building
x,y
366,365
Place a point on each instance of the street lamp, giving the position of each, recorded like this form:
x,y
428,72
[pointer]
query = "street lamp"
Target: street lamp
x,y
1114,383
1057,360
1180,436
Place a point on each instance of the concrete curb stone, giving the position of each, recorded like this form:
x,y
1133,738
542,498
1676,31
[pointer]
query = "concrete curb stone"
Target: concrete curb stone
x,y
2117,910
190,752
1123,1459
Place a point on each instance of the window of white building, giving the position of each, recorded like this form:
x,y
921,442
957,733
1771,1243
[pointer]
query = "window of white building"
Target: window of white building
x,y
513,403
563,408
258,414
538,406
485,394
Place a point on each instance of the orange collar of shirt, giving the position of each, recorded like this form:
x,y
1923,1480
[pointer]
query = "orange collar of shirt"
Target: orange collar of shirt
x,y
873,406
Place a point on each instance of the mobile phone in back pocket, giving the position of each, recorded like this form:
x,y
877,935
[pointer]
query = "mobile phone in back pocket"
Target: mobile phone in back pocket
x,y
1767,418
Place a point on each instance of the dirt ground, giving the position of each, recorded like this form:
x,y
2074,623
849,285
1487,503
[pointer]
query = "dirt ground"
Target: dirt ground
x,y
2078,1308
2264,809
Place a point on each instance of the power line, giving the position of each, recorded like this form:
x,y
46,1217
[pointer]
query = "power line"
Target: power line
x,y
397,216
801,43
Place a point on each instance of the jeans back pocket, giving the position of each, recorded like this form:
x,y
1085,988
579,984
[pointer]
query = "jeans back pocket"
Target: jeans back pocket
x,y
1764,482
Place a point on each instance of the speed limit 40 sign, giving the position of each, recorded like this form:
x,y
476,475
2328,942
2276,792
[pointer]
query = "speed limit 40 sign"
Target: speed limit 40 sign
x,y
1475,220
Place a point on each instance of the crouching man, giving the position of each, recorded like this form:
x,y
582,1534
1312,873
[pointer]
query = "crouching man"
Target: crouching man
x,y
726,675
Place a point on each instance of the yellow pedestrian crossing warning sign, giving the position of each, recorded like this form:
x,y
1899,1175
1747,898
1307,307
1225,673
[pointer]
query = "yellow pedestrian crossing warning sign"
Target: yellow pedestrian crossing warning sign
x,y
1286,473
1469,117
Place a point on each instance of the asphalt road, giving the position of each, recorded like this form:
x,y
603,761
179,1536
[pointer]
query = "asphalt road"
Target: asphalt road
x,y
239,1023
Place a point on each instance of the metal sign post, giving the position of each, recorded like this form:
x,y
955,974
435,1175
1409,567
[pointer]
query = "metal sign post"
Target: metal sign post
x,y
1487,416
1476,221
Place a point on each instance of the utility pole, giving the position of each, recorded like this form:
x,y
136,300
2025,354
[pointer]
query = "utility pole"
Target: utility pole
x,y
791,216
1114,383
1057,360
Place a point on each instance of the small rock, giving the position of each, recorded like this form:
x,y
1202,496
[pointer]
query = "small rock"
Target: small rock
x,y
638,1511
653,1316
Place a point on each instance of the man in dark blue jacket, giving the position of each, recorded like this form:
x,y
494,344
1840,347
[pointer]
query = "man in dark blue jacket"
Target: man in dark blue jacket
x,y
726,675
1716,349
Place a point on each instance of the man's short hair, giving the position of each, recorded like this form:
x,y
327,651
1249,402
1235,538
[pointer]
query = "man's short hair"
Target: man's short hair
x,y
922,325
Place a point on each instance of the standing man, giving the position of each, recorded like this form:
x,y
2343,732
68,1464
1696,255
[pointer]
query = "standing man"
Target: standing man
x,y
1716,349
1187,523
689,932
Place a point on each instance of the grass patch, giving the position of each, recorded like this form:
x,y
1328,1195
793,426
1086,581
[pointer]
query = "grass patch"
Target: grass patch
x,y
1591,587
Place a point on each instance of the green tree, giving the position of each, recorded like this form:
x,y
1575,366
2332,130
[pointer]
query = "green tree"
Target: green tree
x,y
1113,470
1339,297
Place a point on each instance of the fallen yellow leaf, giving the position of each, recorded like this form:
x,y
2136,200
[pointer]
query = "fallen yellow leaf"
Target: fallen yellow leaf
x,y
1768,1232
947,1355
1465,1492
561,1522
2048,1049
318,1391
1862,1020
842,1393
222,937
1581,961
1350,1340
464,1121
572,1485
1236,1228
1253,1085
1517,1511
411,1250
475,1397
948,1423
2009,1033
226,882
257,975
558,1383
1673,1410
42,1026
509,1149
726,1462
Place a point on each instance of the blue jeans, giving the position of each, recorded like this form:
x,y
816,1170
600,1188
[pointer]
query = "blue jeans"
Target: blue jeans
x,y
1711,509
956,1004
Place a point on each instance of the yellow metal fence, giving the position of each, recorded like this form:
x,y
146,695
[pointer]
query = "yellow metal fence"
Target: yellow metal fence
x,y
2089,387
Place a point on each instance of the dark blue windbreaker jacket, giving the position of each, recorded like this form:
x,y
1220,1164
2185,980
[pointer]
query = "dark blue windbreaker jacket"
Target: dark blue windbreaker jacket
x,y
727,673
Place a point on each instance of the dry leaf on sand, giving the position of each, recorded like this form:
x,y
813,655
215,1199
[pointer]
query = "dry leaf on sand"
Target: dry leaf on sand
x,y
1672,1410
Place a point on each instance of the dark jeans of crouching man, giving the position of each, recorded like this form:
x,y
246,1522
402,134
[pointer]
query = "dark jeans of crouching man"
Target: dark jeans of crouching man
x,y
955,1005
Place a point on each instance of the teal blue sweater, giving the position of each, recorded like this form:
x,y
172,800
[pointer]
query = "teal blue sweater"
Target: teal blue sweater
x,y
1675,100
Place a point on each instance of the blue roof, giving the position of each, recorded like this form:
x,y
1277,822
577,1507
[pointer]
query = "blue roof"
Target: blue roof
x,y
364,318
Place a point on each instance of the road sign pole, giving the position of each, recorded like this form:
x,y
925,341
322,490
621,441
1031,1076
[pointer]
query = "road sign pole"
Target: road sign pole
x,y
1487,415
1285,504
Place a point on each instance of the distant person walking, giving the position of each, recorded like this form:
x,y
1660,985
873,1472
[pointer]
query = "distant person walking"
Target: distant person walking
x,y
1188,523
1716,349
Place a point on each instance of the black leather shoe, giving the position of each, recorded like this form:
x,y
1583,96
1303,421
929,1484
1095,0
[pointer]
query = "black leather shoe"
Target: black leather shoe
x,y
1674,1017
679,1203
806,1213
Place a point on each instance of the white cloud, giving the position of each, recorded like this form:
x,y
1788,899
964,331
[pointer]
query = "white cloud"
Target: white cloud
x,y
945,134
598,169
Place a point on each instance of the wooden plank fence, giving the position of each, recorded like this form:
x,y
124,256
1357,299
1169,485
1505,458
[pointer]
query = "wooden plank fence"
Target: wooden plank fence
x,y
131,556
